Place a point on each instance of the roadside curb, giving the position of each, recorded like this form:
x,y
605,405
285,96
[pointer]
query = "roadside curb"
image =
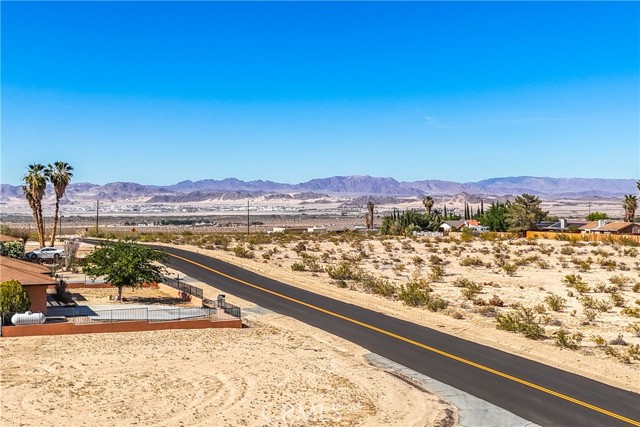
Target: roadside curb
x,y
472,411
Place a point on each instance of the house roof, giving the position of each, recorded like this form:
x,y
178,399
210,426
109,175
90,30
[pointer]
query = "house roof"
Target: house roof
x,y
453,224
589,225
615,226
567,224
472,222
5,238
27,273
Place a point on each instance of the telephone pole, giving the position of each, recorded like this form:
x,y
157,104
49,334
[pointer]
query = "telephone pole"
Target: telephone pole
x,y
248,220
97,210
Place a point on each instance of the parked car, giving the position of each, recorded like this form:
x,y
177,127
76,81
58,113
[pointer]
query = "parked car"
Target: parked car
x,y
48,252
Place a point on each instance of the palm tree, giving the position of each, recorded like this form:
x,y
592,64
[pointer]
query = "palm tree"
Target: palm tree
x,y
34,188
59,175
630,204
427,201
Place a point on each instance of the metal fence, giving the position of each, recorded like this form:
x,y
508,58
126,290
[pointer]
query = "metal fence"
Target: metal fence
x,y
146,314
221,304
184,287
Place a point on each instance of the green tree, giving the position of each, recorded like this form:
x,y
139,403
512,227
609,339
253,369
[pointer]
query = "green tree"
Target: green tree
x,y
59,175
125,264
630,204
427,201
13,298
594,216
34,188
12,249
495,217
524,213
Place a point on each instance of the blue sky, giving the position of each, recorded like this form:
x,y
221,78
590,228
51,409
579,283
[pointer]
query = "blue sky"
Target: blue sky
x,y
159,92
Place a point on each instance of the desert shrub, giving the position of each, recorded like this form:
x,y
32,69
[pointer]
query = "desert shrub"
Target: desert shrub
x,y
521,321
590,314
461,282
417,261
496,301
398,267
620,280
582,288
471,262
618,341
567,250
599,341
436,260
486,311
510,269
634,328
564,339
543,264
437,273
555,302
415,293
377,286
636,287
242,252
631,312
13,298
608,264
572,279
633,351
297,266
471,290
456,315
588,302
617,299
585,265
343,271
435,303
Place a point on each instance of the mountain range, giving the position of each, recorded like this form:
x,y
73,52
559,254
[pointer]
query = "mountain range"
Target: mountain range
x,y
352,186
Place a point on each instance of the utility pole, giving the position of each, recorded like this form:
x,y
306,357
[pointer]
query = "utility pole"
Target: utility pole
x,y
248,220
97,210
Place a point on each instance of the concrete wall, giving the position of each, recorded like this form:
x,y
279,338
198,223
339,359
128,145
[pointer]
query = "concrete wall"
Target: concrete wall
x,y
38,297
96,328
586,237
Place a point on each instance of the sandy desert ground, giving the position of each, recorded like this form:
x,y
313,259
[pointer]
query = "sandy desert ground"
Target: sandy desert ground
x,y
277,372
599,313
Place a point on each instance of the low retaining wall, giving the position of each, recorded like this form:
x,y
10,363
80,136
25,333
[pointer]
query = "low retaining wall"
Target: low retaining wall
x,y
173,291
585,237
134,326
88,285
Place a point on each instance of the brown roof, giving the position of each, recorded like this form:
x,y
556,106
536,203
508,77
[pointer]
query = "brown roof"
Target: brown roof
x,y
615,226
5,238
27,273
589,225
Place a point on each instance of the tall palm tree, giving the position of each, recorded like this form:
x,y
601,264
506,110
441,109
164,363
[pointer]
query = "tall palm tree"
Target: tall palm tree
x,y
427,201
630,204
34,188
59,175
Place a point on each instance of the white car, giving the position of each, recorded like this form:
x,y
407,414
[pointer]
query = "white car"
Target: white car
x,y
48,252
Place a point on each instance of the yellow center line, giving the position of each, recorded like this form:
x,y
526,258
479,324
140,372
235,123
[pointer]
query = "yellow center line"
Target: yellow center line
x,y
421,345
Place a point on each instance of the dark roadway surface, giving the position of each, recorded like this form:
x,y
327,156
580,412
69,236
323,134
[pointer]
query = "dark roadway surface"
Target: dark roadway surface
x,y
529,403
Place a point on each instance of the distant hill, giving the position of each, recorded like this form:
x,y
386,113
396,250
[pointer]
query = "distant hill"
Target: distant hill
x,y
352,186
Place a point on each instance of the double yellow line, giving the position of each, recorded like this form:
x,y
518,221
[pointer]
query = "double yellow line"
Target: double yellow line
x,y
421,345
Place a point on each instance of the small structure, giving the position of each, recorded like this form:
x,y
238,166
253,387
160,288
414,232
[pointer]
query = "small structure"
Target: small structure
x,y
610,227
456,225
563,225
34,278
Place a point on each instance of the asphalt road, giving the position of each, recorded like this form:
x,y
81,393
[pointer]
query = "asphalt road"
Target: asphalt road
x,y
534,391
